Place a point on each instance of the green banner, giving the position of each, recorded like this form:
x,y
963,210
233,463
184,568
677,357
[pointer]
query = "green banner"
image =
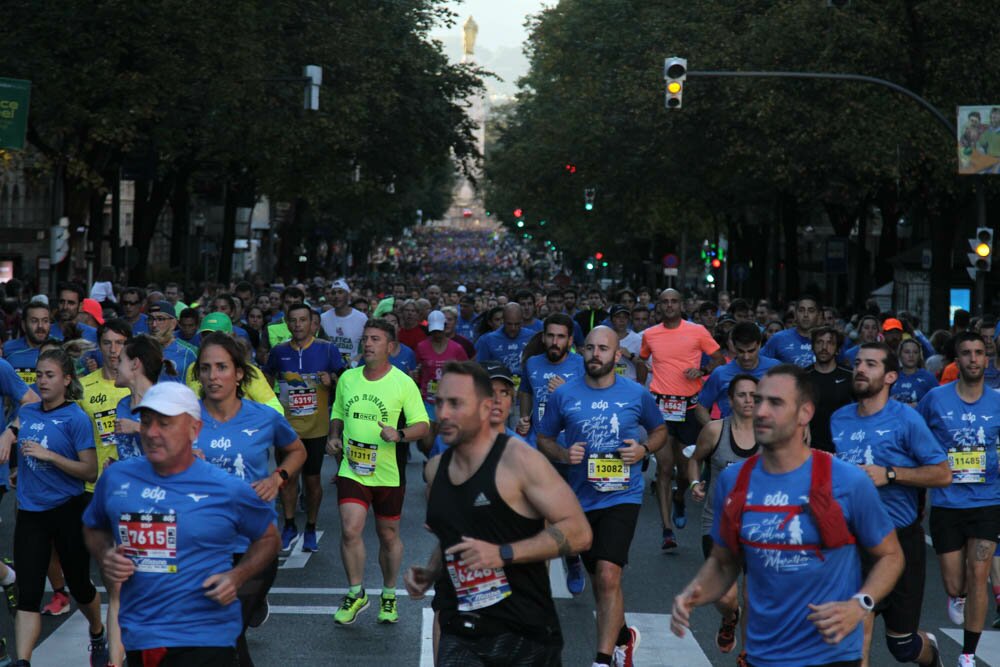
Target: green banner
x,y
14,97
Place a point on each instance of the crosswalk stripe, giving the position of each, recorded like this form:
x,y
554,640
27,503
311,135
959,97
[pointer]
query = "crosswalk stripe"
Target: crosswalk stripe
x,y
427,638
297,559
68,644
989,645
659,647
557,579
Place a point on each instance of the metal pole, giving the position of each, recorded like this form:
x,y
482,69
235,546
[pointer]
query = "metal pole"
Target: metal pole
x,y
980,222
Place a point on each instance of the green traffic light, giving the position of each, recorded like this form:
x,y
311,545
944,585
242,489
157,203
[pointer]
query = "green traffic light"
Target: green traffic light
x,y
520,223
588,206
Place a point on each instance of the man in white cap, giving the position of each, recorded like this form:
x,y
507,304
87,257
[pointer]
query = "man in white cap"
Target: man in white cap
x,y
163,525
432,354
343,324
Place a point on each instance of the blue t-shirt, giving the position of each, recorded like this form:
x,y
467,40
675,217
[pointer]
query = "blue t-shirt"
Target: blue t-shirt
x,y
895,436
782,584
140,326
466,328
12,388
967,434
534,326
66,431
537,372
716,388
604,419
497,346
178,530
23,359
405,360
790,347
911,388
439,447
242,445
87,332
848,357
129,445
183,355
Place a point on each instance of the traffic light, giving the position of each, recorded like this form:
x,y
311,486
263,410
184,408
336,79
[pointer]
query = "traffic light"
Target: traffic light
x,y
570,168
590,265
981,257
518,212
675,73
598,255
588,198
520,224
716,263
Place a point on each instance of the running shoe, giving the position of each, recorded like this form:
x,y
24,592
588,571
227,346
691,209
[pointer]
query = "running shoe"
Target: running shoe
x,y
967,660
623,656
57,606
10,592
309,542
669,541
387,612
99,656
677,512
956,610
350,608
937,652
288,535
260,614
741,660
576,581
725,638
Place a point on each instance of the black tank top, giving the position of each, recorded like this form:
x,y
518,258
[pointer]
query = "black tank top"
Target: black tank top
x,y
475,509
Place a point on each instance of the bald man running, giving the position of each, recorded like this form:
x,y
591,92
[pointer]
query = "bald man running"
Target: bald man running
x,y
676,347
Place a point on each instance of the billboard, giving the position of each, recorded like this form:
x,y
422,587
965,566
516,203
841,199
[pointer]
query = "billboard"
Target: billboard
x,y
979,139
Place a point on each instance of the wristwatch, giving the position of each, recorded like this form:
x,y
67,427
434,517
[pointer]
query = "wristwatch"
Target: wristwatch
x,y
283,474
506,554
890,474
401,436
865,600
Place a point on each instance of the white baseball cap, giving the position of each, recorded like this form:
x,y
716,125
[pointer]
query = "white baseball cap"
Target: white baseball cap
x,y
435,321
171,399
340,283
462,289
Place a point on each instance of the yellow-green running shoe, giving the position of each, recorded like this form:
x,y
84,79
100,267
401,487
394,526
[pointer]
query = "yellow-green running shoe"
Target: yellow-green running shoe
x,y
387,610
350,608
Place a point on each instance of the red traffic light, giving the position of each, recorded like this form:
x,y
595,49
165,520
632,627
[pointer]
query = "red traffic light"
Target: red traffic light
x,y
598,255
518,213
570,167
716,263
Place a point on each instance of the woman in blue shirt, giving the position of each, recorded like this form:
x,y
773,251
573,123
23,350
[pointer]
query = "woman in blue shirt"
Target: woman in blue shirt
x,y
914,380
55,456
139,368
237,435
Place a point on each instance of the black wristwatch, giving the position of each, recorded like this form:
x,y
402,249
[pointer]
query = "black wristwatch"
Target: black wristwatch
x,y
283,474
401,436
506,554
890,474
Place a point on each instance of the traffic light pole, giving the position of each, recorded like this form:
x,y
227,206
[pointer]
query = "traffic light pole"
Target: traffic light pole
x,y
943,121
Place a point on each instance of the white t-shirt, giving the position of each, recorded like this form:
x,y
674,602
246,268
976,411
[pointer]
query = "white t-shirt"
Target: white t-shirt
x,y
344,332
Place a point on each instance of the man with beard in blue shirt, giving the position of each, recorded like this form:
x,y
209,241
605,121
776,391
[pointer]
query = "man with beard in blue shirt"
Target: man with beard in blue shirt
x,y
744,342
601,414
794,346
806,595
965,515
164,526
893,445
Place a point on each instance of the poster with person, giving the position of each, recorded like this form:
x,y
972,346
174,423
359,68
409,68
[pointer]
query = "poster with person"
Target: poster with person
x,y
978,139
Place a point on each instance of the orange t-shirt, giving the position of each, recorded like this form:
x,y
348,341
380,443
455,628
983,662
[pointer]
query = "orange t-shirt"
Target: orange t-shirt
x,y
950,373
674,351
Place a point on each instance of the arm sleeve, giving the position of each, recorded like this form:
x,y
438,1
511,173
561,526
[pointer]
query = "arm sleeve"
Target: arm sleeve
x,y
413,402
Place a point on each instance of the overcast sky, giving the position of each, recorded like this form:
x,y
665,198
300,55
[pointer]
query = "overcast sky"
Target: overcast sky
x,y
500,40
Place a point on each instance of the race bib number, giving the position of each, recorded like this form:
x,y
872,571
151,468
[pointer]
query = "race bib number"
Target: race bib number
x,y
607,472
150,540
362,457
621,369
541,411
673,408
28,375
517,383
432,388
968,466
302,402
477,589
105,425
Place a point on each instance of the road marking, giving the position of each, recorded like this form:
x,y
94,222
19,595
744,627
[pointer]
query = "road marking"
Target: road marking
x,y
928,540
427,638
659,647
297,559
69,644
400,592
989,645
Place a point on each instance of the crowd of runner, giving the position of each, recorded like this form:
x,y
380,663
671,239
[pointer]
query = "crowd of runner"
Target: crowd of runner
x,y
139,428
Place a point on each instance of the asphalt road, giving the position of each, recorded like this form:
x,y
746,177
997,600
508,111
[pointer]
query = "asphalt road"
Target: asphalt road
x,y
301,631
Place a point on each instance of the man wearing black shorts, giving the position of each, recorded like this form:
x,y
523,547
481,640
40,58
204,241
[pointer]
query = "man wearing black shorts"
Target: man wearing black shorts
x,y
893,445
965,515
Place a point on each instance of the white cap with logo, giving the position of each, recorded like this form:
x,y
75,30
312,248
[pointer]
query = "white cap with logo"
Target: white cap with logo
x,y
171,399
435,321
340,283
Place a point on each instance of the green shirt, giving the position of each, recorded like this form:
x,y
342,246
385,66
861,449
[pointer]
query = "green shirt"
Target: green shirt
x,y
361,404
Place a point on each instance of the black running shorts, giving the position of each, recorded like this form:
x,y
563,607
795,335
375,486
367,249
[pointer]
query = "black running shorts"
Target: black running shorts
x,y
613,529
952,528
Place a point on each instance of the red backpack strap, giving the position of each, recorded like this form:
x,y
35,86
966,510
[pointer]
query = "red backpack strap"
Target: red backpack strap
x,y
732,509
825,510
